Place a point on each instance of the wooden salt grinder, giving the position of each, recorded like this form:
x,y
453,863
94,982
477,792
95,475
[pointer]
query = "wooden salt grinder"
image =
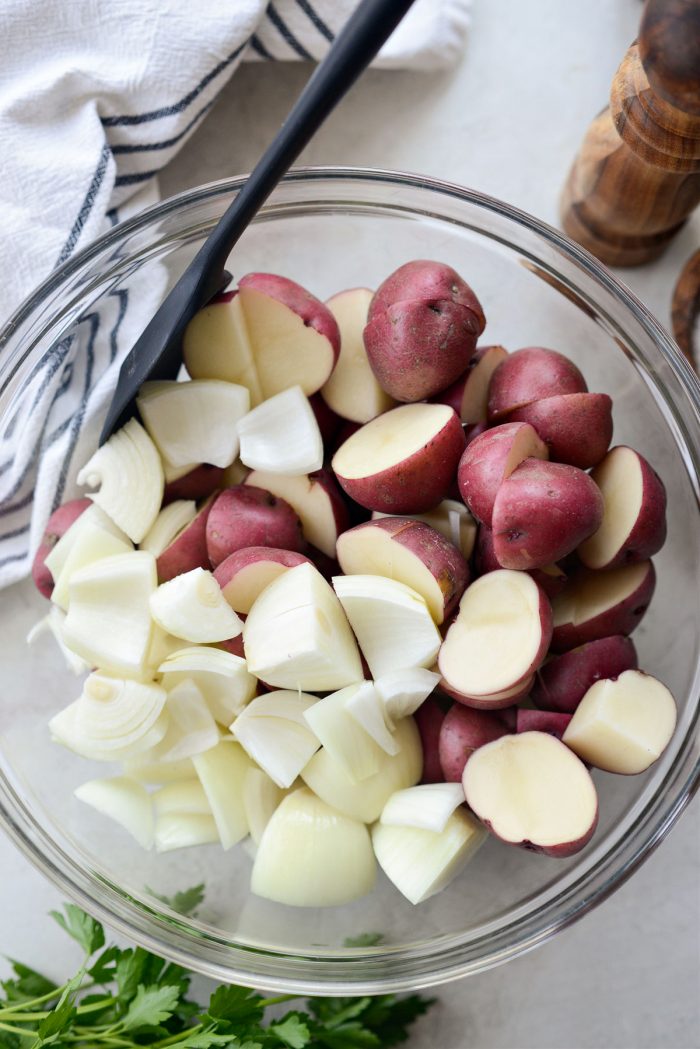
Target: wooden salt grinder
x,y
636,178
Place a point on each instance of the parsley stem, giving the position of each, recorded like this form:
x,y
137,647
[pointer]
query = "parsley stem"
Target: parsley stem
x,y
17,1030
56,993
264,1002
175,1038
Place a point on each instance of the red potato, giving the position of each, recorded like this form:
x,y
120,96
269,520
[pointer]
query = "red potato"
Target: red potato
x,y
352,390
469,395
316,500
634,519
551,578
421,330
235,646
188,550
244,574
57,525
623,725
531,374
498,702
411,552
462,732
576,427
549,721
492,457
451,519
531,790
402,462
472,432
542,512
215,345
329,423
429,719
562,682
498,639
248,516
594,605
327,566
198,484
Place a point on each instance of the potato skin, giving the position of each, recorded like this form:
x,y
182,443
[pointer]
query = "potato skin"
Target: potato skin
x,y
328,422
415,484
562,683
622,618
529,375
576,427
252,555
542,512
188,550
57,525
429,718
497,701
248,516
441,558
198,484
485,464
551,722
314,313
421,331
463,731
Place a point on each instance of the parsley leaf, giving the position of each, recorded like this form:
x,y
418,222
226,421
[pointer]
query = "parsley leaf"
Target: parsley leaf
x,y
292,1031
185,902
237,1005
150,1006
84,929
365,939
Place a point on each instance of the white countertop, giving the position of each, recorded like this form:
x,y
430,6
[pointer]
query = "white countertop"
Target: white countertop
x,y
508,121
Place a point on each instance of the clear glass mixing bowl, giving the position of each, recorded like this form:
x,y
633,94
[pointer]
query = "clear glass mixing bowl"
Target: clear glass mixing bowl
x,y
330,229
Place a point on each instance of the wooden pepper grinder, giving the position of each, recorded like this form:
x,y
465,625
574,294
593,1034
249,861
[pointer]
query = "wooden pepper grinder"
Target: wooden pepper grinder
x,y
636,178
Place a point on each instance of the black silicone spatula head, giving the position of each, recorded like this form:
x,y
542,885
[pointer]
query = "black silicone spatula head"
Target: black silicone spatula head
x,y
157,352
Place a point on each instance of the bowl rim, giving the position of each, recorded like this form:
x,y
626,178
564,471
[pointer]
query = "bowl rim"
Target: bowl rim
x,y
377,969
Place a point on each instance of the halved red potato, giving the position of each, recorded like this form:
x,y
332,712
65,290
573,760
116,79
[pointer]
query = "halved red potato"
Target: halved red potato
x,y
403,461
429,718
576,427
623,725
531,374
469,395
215,345
244,574
410,551
550,721
634,519
316,500
492,457
462,732
352,390
188,549
496,701
451,519
599,604
542,512
551,578
58,523
498,639
248,516
198,484
421,330
562,682
531,790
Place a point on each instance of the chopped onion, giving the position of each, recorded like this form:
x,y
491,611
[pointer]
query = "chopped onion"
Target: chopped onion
x,y
342,736
124,801
403,691
366,707
221,677
191,727
146,769
311,855
109,617
192,606
53,624
391,622
222,771
272,730
260,799
195,421
181,830
90,538
128,471
296,635
281,435
420,862
365,800
169,523
182,796
429,806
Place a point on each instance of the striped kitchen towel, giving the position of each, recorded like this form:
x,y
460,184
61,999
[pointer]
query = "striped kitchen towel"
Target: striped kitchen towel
x,y
95,97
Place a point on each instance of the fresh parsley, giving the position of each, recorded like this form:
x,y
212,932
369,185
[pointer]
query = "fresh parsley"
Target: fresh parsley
x,y
125,999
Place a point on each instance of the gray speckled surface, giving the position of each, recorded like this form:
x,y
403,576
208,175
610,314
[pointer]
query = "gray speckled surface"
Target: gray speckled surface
x,y
508,122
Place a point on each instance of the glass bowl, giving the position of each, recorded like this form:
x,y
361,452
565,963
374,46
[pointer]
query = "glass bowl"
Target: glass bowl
x,y
329,229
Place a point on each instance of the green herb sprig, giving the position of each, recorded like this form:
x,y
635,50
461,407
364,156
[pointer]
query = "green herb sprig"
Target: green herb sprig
x,y
125,999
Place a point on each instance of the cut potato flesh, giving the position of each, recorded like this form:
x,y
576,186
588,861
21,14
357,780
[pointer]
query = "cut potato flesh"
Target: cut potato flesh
x,y
621,482
623,725
391,622
390,439
352,391
249,582
597,592
216,346
449,518
296,635
497,636
421,862
194,422
309,501
476,388
311,855
532,790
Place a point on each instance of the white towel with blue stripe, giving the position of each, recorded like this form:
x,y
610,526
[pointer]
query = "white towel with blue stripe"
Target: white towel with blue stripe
x,y
96,96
